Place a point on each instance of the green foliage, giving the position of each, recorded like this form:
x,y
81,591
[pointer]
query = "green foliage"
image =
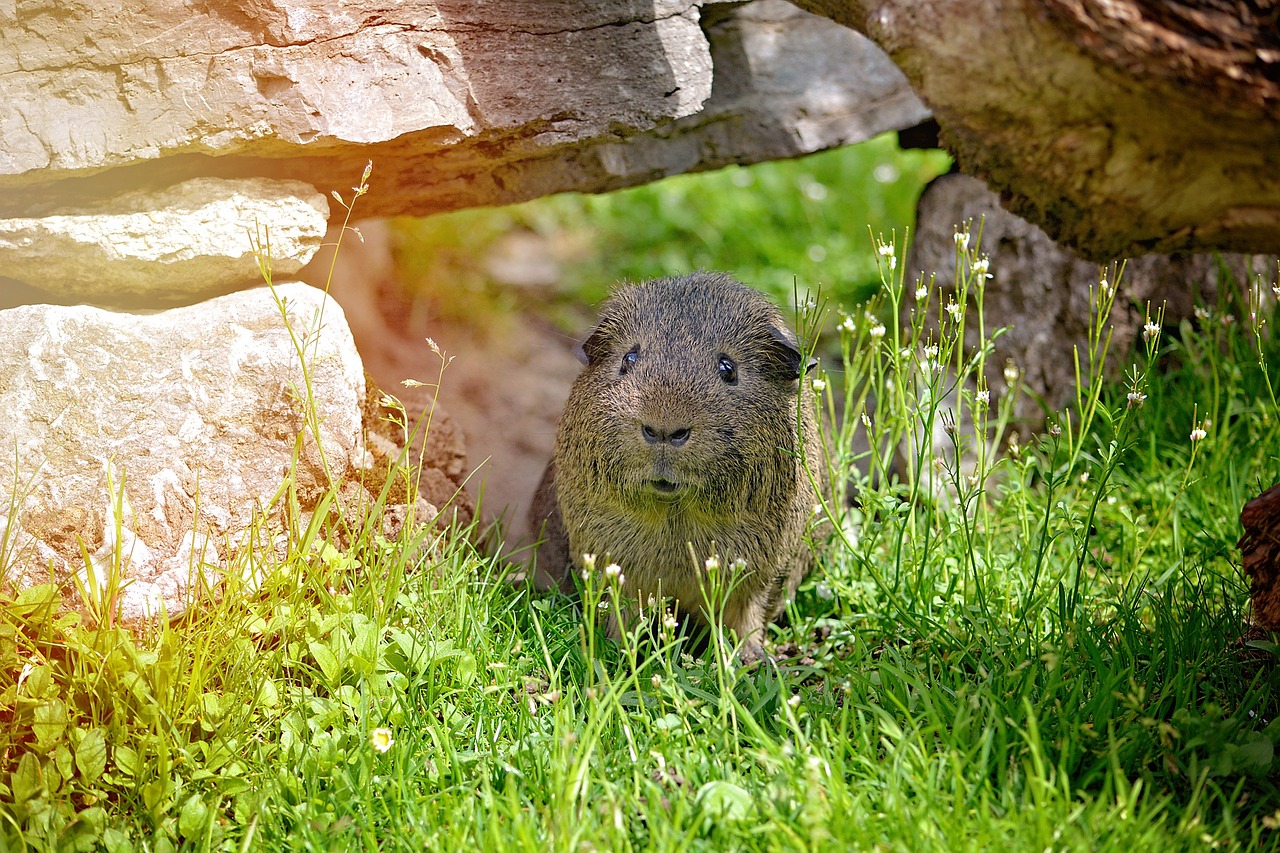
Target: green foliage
x,y
1034,646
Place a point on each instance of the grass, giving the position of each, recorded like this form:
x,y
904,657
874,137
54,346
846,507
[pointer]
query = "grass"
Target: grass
x,y
1036,649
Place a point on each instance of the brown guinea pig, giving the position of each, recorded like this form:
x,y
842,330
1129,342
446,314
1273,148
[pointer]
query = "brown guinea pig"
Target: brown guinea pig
x,y
681,441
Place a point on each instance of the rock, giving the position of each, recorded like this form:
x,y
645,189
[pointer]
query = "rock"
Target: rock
x,y
1041,290
180,244
457,103
415,433
157,442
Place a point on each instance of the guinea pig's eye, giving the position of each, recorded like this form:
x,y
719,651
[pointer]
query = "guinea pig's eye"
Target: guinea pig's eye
x,y
728,370
629,360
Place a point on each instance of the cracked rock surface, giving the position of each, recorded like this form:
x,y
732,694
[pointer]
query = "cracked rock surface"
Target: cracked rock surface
x,y
457,103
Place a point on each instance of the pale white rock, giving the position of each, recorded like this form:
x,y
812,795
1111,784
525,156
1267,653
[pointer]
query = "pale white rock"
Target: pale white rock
x,y
457,102
200,238
154,442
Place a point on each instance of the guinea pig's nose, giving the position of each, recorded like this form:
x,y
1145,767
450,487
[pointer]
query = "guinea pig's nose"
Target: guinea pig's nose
x,y
656,435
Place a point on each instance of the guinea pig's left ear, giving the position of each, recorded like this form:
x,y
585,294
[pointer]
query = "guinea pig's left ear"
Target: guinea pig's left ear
x,y
596,345
789,357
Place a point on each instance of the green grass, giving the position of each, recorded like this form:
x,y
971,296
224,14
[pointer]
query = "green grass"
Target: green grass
x,y
1042,651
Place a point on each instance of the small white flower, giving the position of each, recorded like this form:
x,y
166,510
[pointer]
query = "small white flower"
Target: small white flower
x,y
613,572
1055,429
962,240
1275,288
794,701
1151,330
1011,372
1104,286
886,250
893,262
1136,398
848,325
921,293
955,310
931,352
656,681
819,385
866,420
984,398
1084,478
712,563
1202,313
669,621
1198,434
877,331
980,267
381,739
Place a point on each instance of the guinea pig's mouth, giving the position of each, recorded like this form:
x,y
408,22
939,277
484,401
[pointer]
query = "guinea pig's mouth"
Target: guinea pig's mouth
x,y
664,487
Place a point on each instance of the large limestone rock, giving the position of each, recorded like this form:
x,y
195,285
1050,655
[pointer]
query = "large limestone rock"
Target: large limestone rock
x,y
154,442
457,103
200,238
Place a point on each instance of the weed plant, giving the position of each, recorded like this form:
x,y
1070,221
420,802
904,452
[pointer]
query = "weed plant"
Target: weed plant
x,y
1020,644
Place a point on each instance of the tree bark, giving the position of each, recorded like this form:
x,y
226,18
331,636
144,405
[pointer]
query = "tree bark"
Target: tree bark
x,y
1120,127
1260,553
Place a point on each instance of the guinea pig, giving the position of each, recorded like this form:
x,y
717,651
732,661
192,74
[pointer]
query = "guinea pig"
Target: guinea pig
x,y
686,438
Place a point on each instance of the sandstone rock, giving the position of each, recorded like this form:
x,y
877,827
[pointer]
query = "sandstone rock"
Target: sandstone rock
x,y
183,243
155,442
415,433
457,103
1041,290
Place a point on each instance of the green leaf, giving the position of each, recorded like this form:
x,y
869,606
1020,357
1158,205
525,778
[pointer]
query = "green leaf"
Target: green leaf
x,y
116,841
126,760
725,801
1256,755
466,668
50,722
27,780
327,661
192,817
63,762
268,695
91,755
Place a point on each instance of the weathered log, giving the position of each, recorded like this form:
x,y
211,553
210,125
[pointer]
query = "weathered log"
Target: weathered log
x,y
1120,127
1260,553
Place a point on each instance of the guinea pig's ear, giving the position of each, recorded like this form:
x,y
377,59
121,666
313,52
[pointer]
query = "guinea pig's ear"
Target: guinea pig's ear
x,y
788,356
595,346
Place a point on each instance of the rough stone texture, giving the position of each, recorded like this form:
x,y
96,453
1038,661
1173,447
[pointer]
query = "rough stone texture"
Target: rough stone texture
x,y
1119,126
1041,290
185,243
457,103
167,434
420,437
